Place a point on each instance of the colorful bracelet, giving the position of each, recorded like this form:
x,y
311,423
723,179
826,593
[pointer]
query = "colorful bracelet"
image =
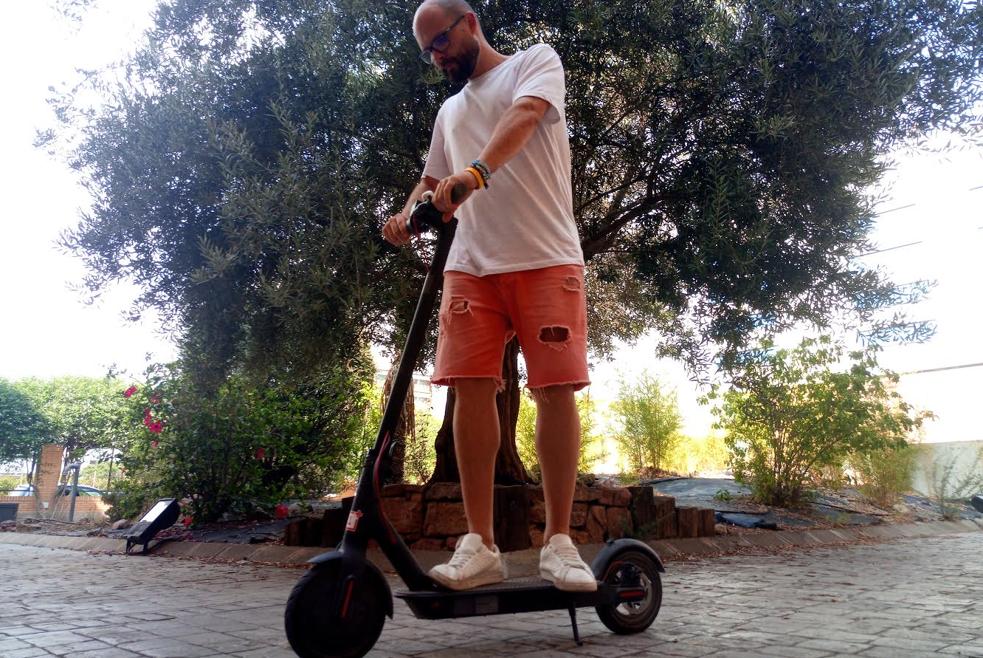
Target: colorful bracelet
x,y
483,170
478,178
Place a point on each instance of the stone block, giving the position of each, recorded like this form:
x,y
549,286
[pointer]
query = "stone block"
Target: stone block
x,y
578,516
618,522
392,490
334,521
614,496
537,511
642,505
688,521
444,519
597,522
584,494
665,518
580,537
536,536
405,515
707,523
443,491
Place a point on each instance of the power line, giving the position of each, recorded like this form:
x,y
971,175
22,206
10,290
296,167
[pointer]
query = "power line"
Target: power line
x,y
884,212
959,367
881,251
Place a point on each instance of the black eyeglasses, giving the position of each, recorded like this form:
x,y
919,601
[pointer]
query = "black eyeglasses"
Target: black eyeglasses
x,y
440,42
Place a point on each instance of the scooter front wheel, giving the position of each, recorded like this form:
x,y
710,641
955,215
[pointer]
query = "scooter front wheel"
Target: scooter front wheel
x,y
334,611
628,570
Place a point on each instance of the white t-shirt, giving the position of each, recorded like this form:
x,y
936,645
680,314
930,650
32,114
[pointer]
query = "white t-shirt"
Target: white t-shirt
x,y
524,219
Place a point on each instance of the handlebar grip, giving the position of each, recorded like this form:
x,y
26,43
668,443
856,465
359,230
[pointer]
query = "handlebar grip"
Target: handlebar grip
x,y
424,213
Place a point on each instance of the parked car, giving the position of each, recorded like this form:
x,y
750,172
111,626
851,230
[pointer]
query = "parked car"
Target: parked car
x,y
66,490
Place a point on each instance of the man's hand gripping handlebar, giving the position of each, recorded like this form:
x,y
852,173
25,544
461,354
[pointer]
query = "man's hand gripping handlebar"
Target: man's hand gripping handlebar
x,y
424,216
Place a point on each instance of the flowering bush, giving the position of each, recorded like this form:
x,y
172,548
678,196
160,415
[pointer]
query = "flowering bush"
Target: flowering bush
x,y
239,449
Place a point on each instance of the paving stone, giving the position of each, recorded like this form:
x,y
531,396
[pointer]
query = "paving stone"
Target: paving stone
x,y
54,638
903,597
32,652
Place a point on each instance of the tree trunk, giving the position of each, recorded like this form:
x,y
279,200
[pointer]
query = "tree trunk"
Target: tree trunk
x,y
508,466
405,428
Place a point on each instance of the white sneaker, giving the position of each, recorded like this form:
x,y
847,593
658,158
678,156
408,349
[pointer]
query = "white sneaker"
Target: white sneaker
x,y
560,563
472,565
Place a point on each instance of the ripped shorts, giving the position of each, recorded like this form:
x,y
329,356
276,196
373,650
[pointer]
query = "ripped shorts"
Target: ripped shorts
x,y
545,308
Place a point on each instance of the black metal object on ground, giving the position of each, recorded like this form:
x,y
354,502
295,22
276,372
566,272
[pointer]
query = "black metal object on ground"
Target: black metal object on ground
x,y
8,511
162,515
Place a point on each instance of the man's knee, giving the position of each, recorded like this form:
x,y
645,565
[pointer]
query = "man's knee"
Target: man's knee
x,y
551,395
474,389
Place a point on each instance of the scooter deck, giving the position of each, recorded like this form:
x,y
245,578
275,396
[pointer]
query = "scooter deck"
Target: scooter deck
x,y
508,597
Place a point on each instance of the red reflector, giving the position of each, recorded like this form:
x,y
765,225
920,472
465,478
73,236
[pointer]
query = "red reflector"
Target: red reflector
x,y
348,598
631,594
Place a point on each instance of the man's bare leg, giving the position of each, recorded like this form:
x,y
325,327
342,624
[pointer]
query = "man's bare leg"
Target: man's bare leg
x,y
558,447
476,440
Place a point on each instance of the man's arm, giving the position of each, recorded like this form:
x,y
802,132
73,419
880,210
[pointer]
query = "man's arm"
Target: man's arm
x,y
511,133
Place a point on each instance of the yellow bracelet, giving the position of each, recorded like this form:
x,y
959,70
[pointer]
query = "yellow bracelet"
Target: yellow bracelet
x,y
477,176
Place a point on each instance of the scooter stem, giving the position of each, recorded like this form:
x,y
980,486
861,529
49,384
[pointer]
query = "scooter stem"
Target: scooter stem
x,y
367,519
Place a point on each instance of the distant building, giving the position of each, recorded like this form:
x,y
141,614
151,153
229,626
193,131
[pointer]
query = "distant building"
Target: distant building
x,y
422,389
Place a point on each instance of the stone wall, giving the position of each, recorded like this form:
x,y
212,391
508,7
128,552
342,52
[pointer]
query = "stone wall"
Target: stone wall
x,y
433,518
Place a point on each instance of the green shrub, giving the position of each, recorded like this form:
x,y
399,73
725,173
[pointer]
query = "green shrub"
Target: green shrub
x,y
699,455
421,454
8,482
792,413
883,475
649,421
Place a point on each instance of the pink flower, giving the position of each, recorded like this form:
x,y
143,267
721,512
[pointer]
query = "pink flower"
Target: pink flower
x,y
187,521
281,511
130,391
156,427
261,453
155,444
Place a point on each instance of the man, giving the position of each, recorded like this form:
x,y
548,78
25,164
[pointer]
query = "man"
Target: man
x,y
515,268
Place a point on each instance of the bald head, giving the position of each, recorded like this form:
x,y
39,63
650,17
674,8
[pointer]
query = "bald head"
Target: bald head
x,y
430,11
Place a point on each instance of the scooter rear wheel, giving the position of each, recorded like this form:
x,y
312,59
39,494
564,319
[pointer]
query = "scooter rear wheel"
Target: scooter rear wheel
x,y
629,569
333,614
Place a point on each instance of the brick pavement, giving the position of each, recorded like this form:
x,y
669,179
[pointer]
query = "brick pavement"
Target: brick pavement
x,y
911,597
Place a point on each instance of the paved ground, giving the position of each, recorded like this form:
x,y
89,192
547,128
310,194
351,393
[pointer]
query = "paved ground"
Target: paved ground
x,y
902,598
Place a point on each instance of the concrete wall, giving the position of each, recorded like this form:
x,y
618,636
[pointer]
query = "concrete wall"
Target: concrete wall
x,y
963,457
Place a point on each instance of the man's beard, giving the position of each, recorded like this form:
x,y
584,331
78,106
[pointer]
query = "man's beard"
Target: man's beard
x,y
465,62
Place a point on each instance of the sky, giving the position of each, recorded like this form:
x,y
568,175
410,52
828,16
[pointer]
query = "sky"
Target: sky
x,y
46,331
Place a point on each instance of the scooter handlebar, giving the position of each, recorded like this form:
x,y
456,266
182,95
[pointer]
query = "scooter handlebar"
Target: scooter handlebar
x,y
425,215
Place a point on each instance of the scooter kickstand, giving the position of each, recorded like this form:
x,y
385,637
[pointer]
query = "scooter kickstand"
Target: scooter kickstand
x,y
573,622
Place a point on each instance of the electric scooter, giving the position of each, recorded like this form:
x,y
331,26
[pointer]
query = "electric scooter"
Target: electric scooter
x,y
339,606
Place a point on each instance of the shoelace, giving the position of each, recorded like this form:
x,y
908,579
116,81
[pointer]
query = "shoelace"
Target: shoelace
x,y
460,558
569,557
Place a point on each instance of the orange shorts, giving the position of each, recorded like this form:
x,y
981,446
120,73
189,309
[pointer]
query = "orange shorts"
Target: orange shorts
x,y
546,308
